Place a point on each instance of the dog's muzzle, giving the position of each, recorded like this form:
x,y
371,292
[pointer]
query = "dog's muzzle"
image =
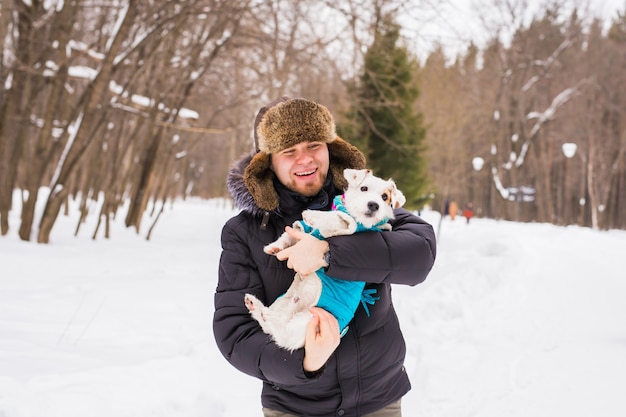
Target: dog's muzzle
x,y
373,207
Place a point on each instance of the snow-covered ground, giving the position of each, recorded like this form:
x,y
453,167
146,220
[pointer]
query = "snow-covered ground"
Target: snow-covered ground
x,y
515,320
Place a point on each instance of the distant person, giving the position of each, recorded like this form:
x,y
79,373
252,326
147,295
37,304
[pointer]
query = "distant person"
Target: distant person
x,y
468,212
298,164
454,210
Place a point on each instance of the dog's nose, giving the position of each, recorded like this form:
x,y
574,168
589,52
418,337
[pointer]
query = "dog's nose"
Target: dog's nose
x,y
373,206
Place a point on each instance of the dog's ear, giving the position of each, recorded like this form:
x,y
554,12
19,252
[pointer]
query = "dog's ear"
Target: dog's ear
x,y
397,198
356,176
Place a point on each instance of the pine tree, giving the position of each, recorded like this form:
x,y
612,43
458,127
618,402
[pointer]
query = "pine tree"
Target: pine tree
x,y
383,122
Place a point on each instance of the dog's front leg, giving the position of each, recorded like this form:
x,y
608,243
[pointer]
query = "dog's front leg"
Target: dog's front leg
x,y
283,242
330,223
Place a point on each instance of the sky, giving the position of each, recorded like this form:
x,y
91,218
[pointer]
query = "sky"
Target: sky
x,y
514,320
454,23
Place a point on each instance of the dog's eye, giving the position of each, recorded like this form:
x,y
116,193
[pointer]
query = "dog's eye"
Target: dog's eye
x,y
385,197
364,188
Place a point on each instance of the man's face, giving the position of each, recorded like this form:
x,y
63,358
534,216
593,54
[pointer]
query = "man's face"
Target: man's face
x,y
303,167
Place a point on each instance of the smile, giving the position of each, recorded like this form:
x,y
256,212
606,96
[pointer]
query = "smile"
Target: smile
x,y
304,174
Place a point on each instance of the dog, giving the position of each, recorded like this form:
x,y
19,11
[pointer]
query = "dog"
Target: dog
x,y
367,204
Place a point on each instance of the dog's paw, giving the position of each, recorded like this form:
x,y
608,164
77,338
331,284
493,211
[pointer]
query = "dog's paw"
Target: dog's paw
x,y
272,249
251,302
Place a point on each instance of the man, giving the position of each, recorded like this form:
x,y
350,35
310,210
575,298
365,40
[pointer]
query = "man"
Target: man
x,y
298,165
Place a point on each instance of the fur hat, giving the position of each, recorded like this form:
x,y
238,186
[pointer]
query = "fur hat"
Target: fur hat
x,y
294,121
286,122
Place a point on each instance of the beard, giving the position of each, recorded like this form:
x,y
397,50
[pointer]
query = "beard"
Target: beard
x,y
308,188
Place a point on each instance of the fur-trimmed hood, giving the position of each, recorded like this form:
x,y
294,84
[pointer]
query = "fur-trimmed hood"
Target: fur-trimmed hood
x,y
238,191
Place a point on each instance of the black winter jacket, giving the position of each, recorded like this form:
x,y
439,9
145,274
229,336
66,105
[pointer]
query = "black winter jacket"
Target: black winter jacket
x,y
366,372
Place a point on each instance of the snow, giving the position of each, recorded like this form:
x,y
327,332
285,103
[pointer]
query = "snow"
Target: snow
x,y
514,320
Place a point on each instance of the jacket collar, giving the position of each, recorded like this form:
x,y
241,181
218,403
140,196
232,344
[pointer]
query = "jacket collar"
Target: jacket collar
x,y
294,203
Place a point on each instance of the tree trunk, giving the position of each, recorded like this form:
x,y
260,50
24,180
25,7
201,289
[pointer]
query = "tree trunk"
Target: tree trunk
x,y
40,157
86,124
140,199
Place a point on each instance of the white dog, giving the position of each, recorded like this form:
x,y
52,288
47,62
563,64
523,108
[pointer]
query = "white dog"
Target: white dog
x,y
367,204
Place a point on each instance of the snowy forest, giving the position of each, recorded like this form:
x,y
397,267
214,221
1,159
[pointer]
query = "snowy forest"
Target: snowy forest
x,y
138,103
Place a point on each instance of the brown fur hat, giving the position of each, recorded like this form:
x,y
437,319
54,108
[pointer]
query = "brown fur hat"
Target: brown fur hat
x,y
284,123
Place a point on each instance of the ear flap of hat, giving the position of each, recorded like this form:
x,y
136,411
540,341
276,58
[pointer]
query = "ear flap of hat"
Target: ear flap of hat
x,y
258,178
344,155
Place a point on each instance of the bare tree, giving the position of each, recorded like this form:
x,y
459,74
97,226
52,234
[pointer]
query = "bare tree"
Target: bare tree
x,y
141,103
528,99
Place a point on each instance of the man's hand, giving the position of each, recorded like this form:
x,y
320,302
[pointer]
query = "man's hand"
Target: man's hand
x,y
322,338
307,255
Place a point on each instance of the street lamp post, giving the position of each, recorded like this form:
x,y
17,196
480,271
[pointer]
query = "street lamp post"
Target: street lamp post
x,y
477,164
569,150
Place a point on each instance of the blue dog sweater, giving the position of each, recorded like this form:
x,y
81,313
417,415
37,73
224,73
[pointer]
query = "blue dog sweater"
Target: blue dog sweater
x,y
339,297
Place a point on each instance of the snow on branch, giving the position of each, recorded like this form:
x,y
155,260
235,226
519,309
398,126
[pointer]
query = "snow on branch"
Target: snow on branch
x,y
117,27
530,83
498,184
73,131
143,103
547,63
548,114
545,116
